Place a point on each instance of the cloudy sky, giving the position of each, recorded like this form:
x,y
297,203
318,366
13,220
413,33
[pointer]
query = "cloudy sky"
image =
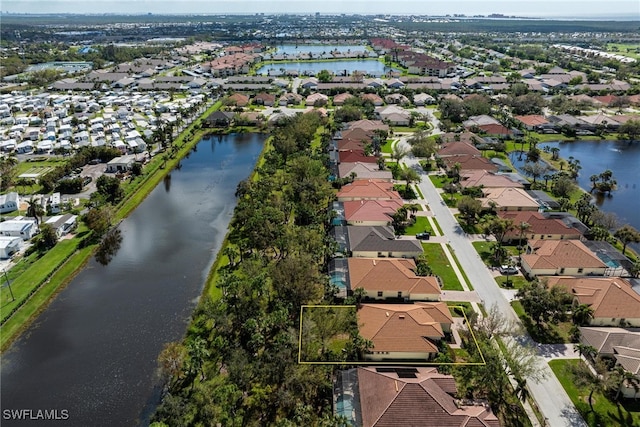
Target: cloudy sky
x,y
621,9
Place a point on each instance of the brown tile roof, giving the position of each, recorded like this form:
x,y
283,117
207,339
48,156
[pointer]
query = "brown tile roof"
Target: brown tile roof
x,y
532,120
482,178
353,156
609,297
389,401
368,125
370,210
368,189
495,129
364,171
390,274
358,133
410,328
457,148
508,198
470,162
341,97
561,253
539,224
350,144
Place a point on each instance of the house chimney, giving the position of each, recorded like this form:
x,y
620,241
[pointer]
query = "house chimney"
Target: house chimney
x,y
374,262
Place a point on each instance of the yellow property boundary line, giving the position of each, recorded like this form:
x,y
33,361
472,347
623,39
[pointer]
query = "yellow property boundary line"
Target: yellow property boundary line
x,y
401,363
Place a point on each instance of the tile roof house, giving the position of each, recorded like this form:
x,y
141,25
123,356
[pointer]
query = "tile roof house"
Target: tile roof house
x,y
394,115
369,125
375,99
350,144
238,100
368,189
371,212
470,162
383,278
378,242
508,199
404,331
354,156
533,121
408,397
266,99
482,178
340,98
540,227
316,99
621,344
612,299
364,171
458,148
561,257
357,133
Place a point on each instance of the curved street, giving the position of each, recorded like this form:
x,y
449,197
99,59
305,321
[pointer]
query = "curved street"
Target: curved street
x,y
551,398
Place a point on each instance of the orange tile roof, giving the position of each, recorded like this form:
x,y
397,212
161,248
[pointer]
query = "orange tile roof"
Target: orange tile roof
x,y
561,253
609,297
370,210
508,197
368,189
532,120
538,224
410,328
470,162
390,274
458,148
483,178
352,156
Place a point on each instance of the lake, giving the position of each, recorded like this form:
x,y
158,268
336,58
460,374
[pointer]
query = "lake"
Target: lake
x,y
340,68
619,156
93,351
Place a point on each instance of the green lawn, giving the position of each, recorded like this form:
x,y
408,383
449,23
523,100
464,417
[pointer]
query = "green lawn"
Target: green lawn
x,y
439,180
627,49
607,413
544,333
440,266
464,274
421,224
386,147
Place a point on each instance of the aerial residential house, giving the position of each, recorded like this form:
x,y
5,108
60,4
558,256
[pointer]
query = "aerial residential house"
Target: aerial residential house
x,y
458,148
508,199
238,99
368,189
394,115
371,212
486,179
561,257
364,171
316,100
25,228
220,119
9,202
392,278
9,245
266,99
423,99
620,344
406,396
540,227
63,224
380,242
470,162
373,98
404,331
612,299
340,98
355,156
533,122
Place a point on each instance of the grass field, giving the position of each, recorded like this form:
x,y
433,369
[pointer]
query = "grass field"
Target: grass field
x,y
606,412
440,266
631,50
421,224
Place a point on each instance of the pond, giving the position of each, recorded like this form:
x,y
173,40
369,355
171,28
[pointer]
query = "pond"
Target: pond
x,y
370,67
93,351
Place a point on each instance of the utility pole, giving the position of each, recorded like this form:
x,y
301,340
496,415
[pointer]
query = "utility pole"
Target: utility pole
x,y
8,284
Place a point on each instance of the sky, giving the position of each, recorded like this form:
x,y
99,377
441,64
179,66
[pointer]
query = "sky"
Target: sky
x,y
620,9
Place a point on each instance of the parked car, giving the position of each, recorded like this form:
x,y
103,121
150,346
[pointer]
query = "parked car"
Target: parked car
x,y
508,270
423,236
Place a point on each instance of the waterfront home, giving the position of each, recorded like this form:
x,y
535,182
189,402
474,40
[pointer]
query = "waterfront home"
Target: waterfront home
x,y
405,396
121,164
486,179
63,224
561,257
379,242
540,227
364,171
22,227
612,299
383,278
404,331
508,199
371,212
368,189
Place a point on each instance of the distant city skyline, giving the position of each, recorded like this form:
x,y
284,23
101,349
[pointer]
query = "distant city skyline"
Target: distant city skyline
x,y
618,9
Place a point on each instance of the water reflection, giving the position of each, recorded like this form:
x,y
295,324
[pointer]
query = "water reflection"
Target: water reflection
x,y
109,246
167,182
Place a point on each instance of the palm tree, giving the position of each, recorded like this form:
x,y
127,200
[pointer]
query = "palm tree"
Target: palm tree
x,y
582,314
35,210
398,152
555,153
585,350
522,228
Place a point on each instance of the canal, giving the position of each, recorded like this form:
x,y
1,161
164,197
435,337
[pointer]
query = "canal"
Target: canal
x,y
93,351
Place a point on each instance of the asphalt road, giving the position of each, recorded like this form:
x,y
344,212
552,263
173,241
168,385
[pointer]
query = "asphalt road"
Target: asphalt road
x,y
551,398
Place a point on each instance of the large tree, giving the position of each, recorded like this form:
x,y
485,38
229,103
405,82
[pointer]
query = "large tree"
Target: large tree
x,y
469,209
627,234
542,304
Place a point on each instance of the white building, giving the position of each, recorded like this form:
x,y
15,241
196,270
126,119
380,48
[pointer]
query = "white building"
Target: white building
x,y
24,227
9,202
9,246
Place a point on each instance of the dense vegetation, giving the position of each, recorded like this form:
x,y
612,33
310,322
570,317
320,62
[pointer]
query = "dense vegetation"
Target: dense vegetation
x,y
238,364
